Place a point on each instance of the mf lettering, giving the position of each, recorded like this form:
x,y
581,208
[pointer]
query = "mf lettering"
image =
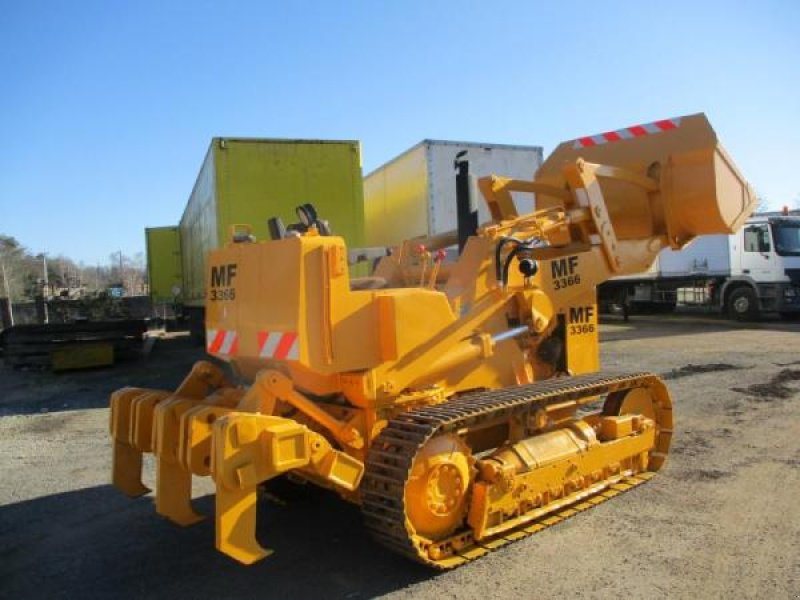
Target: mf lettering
x,y
222,287
564,272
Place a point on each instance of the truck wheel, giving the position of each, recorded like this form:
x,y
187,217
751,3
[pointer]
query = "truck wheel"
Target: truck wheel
x,y
743,304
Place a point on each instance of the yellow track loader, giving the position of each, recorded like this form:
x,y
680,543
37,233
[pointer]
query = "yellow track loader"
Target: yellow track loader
x,y
448,396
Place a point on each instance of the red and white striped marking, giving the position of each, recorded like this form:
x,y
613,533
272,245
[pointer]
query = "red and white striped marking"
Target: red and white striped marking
x,y
278,344
222,342
628,133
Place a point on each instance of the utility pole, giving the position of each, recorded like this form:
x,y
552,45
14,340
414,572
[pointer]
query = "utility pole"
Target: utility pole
x,y
121,276
46,288
8,293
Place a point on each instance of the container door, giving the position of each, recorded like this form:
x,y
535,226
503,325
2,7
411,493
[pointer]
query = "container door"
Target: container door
x,y
164,264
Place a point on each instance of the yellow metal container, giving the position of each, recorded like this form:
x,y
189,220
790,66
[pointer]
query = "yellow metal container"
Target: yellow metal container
x,y
250,180
164,266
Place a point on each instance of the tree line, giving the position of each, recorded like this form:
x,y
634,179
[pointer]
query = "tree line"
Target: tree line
x,y
25,275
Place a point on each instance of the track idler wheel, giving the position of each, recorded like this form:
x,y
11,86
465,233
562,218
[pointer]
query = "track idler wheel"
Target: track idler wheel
x,y
651,401
436,497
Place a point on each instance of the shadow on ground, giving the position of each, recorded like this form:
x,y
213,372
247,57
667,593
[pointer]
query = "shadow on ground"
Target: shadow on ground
x,y
95,543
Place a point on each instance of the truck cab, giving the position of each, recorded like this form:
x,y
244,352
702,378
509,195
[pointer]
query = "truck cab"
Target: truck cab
x,y
765,266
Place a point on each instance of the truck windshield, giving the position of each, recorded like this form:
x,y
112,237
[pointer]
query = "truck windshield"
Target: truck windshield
x,y
787,238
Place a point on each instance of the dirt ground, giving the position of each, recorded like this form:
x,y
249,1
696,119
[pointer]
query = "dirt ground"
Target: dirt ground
x,y
721,520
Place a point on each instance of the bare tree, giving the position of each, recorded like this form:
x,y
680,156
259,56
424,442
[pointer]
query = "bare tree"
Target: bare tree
x,y
762,205
26,276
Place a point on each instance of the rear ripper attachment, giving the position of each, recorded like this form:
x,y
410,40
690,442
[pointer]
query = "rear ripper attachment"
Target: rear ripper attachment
x,y
432,493
208,427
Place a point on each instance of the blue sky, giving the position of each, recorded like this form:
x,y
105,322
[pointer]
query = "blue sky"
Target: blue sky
x,y
106,108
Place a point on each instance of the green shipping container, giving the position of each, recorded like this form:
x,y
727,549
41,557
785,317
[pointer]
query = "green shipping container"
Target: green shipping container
x,y
247,181
164,264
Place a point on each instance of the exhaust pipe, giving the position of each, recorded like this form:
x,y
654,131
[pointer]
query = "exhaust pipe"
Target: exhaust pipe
x,y
466,207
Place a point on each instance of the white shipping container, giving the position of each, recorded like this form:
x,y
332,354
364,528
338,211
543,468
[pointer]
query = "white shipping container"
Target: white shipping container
x,y
415,193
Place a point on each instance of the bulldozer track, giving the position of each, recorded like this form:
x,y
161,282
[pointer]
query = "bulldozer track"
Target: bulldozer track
x,y
392,454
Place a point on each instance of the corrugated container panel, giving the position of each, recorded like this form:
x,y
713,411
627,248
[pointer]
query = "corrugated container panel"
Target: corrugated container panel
x,y
247,181
199,232
164,267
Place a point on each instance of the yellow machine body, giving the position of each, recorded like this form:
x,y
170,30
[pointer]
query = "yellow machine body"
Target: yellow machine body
x,y
442,396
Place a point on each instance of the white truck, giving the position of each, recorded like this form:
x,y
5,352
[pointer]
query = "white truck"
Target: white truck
x,y
754,271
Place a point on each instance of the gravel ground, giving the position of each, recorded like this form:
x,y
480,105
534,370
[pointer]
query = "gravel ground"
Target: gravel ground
x,y
722,519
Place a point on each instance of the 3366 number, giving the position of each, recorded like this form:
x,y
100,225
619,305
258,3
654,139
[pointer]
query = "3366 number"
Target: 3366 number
x,y
563,282
223,294
579,329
